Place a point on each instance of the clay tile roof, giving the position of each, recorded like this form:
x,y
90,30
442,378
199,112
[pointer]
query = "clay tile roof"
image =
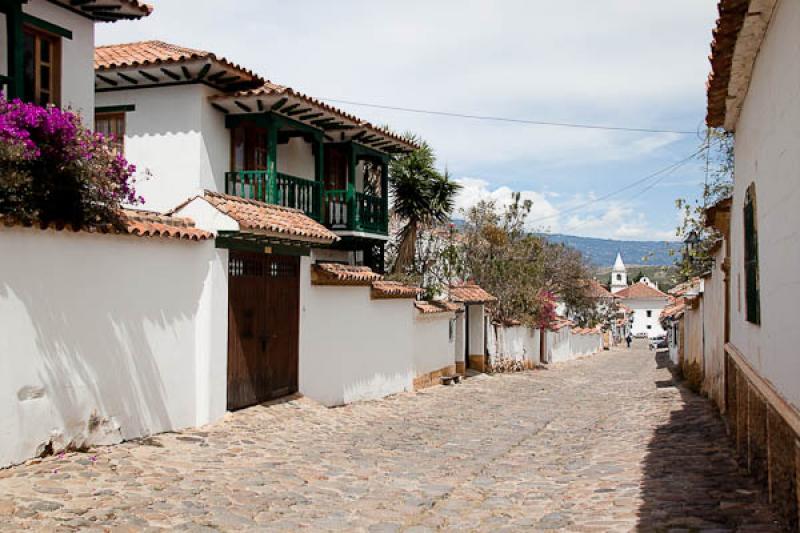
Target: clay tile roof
x,y
109,10
470,294
640,290
595,290
150,53
338,274
272,220
674,309
731,65
432,307
560,323
384,289
273,89
132,222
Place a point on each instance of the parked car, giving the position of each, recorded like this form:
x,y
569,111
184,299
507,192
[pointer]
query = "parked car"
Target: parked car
x,y
658,342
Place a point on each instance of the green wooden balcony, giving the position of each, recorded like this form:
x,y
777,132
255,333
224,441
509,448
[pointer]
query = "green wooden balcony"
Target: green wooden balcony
x,y
346,209
282,189
343,210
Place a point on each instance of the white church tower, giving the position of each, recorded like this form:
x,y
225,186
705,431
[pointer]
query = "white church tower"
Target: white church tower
x,y
619,275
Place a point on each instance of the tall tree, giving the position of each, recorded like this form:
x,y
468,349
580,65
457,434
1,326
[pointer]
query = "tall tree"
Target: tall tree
x,y
422,197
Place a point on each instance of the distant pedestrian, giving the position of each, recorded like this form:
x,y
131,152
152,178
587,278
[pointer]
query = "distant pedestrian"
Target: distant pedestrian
x,y
628,340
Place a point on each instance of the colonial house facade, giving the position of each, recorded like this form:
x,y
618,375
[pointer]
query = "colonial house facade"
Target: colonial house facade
x,y
753,93
198,122
646,304
46,49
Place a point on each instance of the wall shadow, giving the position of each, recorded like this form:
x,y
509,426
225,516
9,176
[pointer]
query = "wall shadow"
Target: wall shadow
x,y
691,478
113,322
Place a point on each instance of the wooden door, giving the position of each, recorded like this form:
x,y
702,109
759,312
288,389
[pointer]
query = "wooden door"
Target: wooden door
x,y
263,327
335,168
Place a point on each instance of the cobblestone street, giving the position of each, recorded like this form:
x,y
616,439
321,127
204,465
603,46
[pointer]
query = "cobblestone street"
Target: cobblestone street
x,y
607,443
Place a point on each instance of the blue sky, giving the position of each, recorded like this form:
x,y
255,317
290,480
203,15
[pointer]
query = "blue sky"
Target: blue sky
x,y
613,62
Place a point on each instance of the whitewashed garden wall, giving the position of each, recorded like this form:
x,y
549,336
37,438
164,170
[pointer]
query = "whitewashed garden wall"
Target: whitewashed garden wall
x,y
105,338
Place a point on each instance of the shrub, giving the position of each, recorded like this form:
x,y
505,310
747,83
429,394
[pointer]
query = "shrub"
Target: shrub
x,y
53,169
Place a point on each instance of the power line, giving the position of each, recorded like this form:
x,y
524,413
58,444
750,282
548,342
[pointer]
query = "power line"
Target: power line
x,y
635,195
512,120
670,168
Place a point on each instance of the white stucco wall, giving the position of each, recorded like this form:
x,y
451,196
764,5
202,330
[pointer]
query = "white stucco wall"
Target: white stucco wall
x,y
475,329
459,344
714,331
433,349
77,56
558,345
176,136
129,332
641,321
585,344
296,158
351,346
768,154
520,343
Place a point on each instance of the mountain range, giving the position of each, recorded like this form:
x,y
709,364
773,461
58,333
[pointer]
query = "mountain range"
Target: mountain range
x,y
603,252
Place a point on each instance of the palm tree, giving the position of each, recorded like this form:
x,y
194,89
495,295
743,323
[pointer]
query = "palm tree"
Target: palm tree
x,y
422,196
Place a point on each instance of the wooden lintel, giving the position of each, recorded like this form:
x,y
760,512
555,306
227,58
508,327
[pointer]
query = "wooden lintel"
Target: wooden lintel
x,y
107,80
219,108
279,104
146,75
171,74
127,78
204,71
310,116
243,107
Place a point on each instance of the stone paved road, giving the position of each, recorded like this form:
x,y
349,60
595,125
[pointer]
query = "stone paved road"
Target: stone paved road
x,y
606,443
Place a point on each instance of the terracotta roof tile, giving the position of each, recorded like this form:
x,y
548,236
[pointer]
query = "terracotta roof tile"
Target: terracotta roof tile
x,y
432,307
338,274
132,222
273,89
383,289
471,294
150,53
674,310
731,60
640,290
272,220
595,290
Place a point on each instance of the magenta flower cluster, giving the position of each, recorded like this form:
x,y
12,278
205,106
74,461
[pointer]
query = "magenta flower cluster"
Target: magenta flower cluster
x,y
53,148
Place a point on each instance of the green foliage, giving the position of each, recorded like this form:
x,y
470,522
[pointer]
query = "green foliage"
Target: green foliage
x,y
423,197
717,153
524,271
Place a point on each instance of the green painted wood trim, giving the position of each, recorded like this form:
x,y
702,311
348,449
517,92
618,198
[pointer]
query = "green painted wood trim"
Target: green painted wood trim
x,y
44,25
115,108
15,87
362,150
254,243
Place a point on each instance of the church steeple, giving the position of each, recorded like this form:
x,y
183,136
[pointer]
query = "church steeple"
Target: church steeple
x,y
619,275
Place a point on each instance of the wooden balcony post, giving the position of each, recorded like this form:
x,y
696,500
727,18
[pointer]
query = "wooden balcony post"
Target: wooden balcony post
x,y
319,175
385,195
16,49
271,194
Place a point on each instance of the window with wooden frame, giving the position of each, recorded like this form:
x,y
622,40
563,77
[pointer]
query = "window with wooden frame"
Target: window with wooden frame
x,y
112,125
751,274
42,67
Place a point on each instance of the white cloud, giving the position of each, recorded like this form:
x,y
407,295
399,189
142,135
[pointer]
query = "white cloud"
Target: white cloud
x,y
603,219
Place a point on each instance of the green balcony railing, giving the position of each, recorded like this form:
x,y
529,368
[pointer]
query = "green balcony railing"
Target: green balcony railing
x,y
284,190
342,209
347,209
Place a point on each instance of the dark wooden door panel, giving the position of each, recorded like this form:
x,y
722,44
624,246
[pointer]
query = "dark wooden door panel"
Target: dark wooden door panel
x,y
263,327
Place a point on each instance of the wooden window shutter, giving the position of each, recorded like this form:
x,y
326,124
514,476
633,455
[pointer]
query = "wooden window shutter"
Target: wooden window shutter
x,y
752,282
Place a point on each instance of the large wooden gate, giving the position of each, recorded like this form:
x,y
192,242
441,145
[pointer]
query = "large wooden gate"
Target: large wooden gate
x,y
263,327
